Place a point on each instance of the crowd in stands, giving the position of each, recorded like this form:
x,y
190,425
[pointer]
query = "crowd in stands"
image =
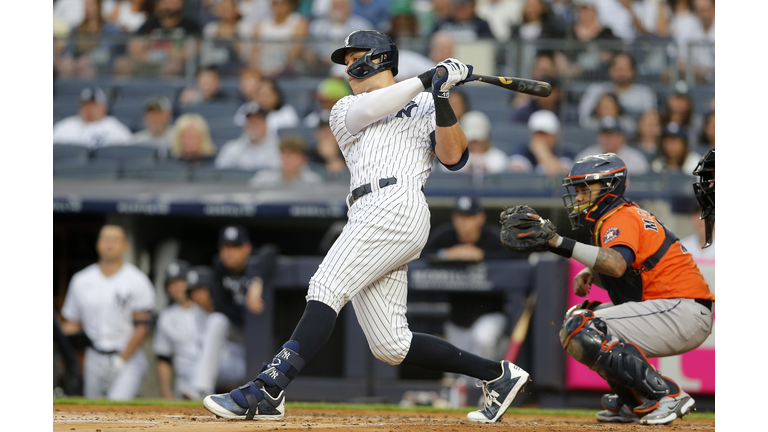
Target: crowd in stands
x,y
259,121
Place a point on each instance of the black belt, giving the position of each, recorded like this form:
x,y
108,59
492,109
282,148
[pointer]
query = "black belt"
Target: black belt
x,y
706,303
365,189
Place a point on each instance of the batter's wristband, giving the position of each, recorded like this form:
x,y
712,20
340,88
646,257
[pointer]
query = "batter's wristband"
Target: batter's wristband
x,y
444,116
564,247
426,79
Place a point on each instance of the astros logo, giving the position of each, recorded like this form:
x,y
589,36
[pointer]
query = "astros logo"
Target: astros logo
x,y
611,234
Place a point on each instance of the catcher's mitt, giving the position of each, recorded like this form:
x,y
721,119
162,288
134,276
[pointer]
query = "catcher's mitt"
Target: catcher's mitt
x,y
522,233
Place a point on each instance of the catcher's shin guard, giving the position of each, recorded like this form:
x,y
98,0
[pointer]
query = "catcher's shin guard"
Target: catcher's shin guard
x,y
621,363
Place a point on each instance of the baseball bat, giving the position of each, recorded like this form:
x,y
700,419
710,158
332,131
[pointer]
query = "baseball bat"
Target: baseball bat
x,y
520,330
520,85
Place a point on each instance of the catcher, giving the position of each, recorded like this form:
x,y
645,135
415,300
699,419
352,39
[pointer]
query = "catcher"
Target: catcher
x,y
660,304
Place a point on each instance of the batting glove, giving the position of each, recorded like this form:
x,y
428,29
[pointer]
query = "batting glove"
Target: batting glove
x,y
456,73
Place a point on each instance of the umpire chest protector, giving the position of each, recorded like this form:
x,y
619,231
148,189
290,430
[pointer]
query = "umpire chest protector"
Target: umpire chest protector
x,y
629,286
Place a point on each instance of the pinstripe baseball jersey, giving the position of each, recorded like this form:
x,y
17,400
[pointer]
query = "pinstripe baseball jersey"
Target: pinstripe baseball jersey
x,y
400,145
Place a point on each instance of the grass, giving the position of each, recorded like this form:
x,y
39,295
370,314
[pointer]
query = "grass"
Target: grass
x,y
349,406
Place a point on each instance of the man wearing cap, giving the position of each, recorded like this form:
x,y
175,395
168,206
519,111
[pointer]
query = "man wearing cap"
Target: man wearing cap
x,y
611,139
484,158
329,91
293,166
476,321
541,154
256,148
463,24
92,127
237,285
158,114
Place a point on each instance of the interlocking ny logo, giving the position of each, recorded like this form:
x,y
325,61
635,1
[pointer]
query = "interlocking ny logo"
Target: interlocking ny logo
x,y
406,111
272,373
284,354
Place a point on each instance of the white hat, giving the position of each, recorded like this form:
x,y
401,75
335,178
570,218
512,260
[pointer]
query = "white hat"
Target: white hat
x,y
544,121
476,126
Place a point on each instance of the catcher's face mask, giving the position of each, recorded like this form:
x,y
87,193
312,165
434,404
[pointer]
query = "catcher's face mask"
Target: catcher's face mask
x,y
585,201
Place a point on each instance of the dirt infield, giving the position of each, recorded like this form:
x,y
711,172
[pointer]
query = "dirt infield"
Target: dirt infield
x,y
104,418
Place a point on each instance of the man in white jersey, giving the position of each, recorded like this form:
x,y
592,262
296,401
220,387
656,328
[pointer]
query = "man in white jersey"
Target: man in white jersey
x,y
389,134
111,302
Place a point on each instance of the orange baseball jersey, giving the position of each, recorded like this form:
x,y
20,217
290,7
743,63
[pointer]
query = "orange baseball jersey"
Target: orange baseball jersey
x,y
674,276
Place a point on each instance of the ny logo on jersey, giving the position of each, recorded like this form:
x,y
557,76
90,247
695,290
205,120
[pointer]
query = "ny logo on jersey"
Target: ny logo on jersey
x,y
122,301
406,111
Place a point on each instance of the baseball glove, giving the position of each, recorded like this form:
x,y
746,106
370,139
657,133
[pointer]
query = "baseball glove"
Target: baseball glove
x,y
522,233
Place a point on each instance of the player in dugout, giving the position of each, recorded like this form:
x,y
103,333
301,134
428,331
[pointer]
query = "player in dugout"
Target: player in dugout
x,y
390,134
660,303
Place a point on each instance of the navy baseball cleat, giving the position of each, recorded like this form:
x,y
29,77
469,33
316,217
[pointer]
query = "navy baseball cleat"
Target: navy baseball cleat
x,y
500,393
246,402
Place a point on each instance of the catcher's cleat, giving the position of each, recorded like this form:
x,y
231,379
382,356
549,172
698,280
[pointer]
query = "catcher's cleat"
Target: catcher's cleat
x,y
500,393
246,402
667,409
623,415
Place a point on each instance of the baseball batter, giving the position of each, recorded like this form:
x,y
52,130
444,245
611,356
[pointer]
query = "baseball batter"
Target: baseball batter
x,y
660,303
111,301
389,134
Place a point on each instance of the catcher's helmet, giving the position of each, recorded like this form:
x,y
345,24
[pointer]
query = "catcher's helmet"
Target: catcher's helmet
x,y
378,44
606,168
705,191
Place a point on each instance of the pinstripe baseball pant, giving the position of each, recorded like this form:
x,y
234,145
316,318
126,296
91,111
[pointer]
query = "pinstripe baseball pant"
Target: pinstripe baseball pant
x,y
386,229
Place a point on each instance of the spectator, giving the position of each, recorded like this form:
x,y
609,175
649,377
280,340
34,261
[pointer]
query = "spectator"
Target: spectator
x,y
92,127
463,24
475,324
270,99
293,166
588,28
158,114
701,30
674,153
256,148
502,16
538,23
694,242
165,52
611,139
411,63
442,45
70,11
542,153
128,15
648,134
377,12
484,158
207,88
403,24
459,103
111,301
679,110
76,57
192,141
708,131
634,98
238,284
229,25
524,105
608,106
250,81
329,91
327,31
327,153
282,36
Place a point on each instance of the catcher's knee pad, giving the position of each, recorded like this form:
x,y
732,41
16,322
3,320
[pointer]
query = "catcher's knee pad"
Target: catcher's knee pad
x,y
623,363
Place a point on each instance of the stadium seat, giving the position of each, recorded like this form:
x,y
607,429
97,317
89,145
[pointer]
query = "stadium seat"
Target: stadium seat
x,y
299,92
210,173
101,170
162,171
578,136
129,112
223,133
63,109
508,136
140,90
518,181
70,151
211,110
307,133
122,153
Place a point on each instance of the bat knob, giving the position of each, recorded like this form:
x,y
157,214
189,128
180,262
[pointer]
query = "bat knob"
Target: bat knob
x,y
441,71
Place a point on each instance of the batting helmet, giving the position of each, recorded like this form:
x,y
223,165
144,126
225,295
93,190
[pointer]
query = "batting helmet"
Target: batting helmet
x,y
378,45
606,168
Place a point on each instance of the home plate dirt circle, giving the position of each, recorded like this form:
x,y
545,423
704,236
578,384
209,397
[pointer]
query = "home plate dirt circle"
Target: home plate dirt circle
x,y
101,418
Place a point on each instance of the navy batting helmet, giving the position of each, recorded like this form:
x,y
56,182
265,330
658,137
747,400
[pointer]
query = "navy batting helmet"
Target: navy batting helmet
x,y
607,169
378,45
